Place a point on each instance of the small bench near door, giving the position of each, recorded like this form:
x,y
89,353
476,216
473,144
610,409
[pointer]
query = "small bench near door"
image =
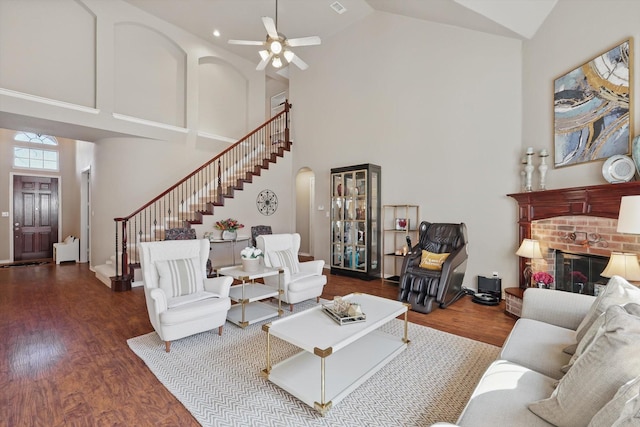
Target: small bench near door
x,y
68,250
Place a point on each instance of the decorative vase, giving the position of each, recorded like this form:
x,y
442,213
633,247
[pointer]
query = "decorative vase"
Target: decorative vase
x,y
229,234
543,168
528,170
541,285
250,265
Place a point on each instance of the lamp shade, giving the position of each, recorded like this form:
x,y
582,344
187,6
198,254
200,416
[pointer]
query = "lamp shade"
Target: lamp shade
x,y
629,216
624,265
529,249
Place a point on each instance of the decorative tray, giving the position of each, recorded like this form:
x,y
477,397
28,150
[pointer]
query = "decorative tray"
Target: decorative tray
x,y
342,319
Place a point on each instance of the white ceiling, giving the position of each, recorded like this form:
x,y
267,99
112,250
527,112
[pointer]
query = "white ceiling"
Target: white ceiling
x,y
241,19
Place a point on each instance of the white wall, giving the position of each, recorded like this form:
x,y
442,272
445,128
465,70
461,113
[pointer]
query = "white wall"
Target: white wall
x,y
109,73
573,34
438,107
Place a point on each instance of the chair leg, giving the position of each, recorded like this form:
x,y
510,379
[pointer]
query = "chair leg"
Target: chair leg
x,y
318,300
220,330
167,346
290,307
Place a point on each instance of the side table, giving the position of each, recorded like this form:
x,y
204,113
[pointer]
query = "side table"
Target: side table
x,y
248,295
513,299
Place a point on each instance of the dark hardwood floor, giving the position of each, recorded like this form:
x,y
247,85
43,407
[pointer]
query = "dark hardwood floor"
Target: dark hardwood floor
x,y
64,360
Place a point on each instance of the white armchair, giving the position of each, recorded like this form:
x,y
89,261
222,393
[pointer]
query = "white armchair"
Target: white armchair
x,y
68,250
181,300
302,280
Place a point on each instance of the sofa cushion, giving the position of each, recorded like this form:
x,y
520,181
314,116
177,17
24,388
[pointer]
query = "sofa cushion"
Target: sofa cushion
x,y
285,258
178,277
608,363
618,291
538,346
502,395
625,398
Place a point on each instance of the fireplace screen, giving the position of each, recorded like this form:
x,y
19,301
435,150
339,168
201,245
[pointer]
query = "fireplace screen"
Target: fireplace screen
x,y
580,273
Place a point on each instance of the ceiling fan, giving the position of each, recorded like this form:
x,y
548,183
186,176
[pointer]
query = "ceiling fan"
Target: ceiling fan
x,y
277,47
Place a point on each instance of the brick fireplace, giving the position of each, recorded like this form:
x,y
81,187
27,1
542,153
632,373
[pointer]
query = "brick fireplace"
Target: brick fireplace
x,y
579,234
589,215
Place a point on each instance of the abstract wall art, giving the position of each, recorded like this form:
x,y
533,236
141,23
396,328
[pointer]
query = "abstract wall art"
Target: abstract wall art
x,y
591,108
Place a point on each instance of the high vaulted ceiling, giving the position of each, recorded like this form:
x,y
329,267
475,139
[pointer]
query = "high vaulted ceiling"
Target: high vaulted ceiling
x,y
241,19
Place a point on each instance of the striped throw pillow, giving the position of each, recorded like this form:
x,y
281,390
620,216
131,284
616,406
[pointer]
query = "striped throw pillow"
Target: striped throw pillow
x,y
179,277
285,258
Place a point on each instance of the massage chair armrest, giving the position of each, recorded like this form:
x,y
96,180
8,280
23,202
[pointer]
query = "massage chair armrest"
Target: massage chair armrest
x,y
218,285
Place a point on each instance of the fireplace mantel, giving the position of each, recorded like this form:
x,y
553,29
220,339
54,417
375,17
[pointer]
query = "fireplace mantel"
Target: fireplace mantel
x,y
596,200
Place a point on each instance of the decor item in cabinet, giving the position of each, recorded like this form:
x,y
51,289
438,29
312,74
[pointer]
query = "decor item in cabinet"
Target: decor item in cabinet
x,y
355,221
400,225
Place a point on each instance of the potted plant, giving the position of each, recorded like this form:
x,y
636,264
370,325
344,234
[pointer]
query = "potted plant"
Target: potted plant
x,y
229,228
543,279
250,257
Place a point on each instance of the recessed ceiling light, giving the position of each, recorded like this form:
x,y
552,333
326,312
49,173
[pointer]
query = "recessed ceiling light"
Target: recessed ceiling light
x,y
339,8
216,33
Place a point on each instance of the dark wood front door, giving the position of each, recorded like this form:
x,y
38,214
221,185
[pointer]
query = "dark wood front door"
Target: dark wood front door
x,y
35,217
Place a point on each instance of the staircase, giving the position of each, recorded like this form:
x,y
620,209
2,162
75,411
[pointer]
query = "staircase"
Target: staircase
x,y
194,197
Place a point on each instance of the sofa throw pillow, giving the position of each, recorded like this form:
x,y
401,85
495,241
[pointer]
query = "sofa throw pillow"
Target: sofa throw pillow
x,y
432,261
618,291
285,258
179,277
608,363
593,330
630,416
623,401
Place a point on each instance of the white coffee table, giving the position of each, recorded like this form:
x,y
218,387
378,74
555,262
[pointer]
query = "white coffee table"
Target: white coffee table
x,y
248,295
335,359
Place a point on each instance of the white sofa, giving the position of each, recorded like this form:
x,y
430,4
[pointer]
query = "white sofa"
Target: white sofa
x,y
67,250
527,384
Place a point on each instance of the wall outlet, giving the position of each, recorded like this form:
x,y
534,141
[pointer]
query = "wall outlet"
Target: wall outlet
x,y
5,214
494,274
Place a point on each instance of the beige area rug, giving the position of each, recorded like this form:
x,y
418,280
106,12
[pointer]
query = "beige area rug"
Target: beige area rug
x,y
218,379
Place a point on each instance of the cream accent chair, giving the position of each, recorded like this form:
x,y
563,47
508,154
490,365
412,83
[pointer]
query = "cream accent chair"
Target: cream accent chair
x,y
68,250
181,300
302,280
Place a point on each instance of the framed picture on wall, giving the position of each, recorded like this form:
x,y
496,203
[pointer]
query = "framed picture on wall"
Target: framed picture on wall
x,y
591,105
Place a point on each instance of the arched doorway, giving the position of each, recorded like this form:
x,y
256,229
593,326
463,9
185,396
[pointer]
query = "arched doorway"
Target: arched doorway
x,y
305,197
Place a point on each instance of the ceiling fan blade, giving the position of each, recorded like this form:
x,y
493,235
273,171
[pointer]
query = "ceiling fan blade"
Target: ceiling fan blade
x,y
246,42
263,64
304,41
270,26
299,62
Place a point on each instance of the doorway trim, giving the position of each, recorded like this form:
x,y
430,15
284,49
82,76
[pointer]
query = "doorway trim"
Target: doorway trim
x,y
12,176
85,215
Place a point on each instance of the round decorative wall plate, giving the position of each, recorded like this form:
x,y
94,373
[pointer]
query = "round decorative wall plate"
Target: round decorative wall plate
x,y
267,202
618,168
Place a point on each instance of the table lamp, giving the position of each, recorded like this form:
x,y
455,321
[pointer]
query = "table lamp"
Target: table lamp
x,y
624,265
529,248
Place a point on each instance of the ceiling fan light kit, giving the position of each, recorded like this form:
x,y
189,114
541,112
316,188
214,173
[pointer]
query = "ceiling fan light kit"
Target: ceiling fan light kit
x,y
277,48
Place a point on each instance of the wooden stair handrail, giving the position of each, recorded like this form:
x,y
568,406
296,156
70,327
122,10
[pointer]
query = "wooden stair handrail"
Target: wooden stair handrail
x,y
287,107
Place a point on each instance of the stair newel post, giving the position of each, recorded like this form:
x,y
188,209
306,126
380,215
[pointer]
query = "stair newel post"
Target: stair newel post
x,y
287,106
121,281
